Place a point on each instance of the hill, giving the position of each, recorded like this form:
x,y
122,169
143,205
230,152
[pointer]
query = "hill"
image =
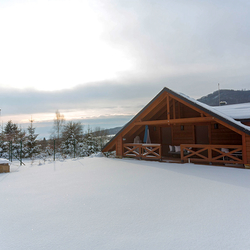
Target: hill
x,y
112,131
229,95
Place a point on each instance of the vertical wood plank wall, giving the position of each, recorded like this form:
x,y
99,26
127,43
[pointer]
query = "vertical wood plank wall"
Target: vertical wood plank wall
x,y
155,134
248,148
119,146
185,136
224,136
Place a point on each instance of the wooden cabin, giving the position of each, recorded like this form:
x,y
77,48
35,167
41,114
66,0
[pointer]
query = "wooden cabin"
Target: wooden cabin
x,y
183,129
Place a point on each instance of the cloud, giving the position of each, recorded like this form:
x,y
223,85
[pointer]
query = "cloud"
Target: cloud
x,y
63,44
179,38
107,59
50,45
126,96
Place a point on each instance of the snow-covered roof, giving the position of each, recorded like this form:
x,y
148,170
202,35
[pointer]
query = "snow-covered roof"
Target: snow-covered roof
x,y
237,111
4,161
217,111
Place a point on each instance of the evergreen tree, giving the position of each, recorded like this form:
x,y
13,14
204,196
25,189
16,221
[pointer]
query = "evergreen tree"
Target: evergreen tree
x,y
46,152
101,137
31,147
71,137
11,131
14,136
4,146
90,143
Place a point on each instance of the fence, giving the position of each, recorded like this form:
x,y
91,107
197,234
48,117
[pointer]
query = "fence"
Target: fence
x,y
146,151
212,153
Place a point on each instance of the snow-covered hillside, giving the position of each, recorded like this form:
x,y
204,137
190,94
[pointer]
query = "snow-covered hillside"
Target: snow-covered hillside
x,y
100,203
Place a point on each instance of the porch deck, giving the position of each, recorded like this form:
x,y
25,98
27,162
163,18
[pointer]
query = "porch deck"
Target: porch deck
x,y
194,153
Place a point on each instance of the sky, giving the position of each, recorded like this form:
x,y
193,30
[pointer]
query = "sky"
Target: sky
x,y
99,62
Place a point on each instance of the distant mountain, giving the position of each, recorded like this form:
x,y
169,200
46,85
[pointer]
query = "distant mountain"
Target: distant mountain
x,y
113,131
109,131
227,95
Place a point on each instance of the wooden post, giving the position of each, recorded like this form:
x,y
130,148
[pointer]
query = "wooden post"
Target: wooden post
x,y
168,108
209,134
209,154
244,149
54,150
179,110
174,108
182,154
74,148
193,133
119,147
21,149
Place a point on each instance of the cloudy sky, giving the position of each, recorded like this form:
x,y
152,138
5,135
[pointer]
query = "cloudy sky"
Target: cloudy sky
x,y
101,61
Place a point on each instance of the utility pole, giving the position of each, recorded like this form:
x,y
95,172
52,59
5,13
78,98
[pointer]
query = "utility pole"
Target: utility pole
x,y
219,92
2,120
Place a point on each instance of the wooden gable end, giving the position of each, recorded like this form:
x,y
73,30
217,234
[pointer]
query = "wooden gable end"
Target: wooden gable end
x,y
171,110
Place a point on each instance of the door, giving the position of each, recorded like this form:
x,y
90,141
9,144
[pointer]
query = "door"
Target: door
x,y
166,139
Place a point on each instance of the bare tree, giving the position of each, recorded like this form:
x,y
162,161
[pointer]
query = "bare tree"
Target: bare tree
x,y
58,123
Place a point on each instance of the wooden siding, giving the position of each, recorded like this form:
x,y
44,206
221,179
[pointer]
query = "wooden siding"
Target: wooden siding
x,y
4,168
155,134
187,112
246,123
185,136
176,111
224,135
247,138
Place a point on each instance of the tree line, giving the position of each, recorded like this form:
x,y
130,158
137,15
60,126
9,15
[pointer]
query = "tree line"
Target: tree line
x,y
67,140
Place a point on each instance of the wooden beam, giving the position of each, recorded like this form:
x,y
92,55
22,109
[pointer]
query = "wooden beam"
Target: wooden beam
x,y
187,104
179,110
244,151
168,108
134,131
151,108
154,112
173,121
174,117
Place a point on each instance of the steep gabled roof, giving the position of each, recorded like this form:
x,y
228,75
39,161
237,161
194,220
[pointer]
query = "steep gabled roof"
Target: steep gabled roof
x,y
212,111
201,106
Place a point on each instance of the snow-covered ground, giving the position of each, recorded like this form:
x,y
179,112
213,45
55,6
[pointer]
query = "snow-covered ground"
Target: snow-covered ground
x,y
100,203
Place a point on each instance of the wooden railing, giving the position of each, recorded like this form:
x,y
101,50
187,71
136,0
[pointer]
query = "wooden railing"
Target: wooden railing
x,y
140,150
211,153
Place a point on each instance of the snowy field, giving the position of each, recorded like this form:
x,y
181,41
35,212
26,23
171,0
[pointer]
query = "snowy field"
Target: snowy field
x,y
104,204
